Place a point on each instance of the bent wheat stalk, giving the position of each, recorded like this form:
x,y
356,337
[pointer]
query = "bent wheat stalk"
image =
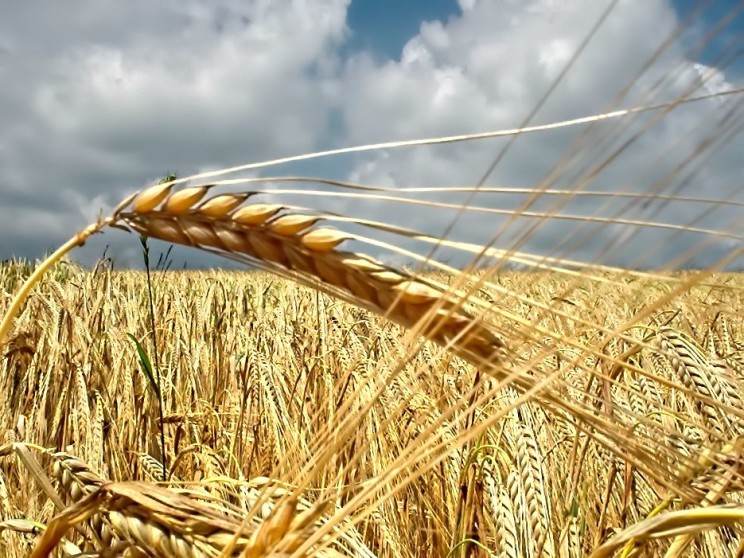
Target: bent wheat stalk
x,y
291,244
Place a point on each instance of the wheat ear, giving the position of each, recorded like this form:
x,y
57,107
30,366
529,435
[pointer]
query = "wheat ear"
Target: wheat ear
x,y
290,242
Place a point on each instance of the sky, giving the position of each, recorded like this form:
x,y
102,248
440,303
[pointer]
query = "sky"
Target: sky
x,y
103,100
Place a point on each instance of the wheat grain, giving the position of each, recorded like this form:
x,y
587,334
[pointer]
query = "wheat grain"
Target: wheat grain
x,y
693,368
288,240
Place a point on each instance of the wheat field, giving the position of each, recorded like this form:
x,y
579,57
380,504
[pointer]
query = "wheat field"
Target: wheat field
x,y
254,370
557,373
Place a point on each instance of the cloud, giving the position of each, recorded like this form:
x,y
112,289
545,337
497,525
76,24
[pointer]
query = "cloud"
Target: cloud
x,y
118,94
111,96
489,67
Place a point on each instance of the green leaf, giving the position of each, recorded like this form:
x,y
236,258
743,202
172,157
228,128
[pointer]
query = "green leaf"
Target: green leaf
x,y
145,250
146,365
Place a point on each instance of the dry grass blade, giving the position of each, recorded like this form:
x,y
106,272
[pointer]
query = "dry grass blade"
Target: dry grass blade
x,y
163,523
33,528
672,524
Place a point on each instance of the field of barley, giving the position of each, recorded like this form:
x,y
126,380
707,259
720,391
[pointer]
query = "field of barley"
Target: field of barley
x,y
279,420
524,339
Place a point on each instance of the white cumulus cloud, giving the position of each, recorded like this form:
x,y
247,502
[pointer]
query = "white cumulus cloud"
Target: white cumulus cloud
x,y
112,95
491,66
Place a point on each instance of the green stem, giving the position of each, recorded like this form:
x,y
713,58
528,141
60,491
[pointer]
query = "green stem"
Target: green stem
x,y
155,356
